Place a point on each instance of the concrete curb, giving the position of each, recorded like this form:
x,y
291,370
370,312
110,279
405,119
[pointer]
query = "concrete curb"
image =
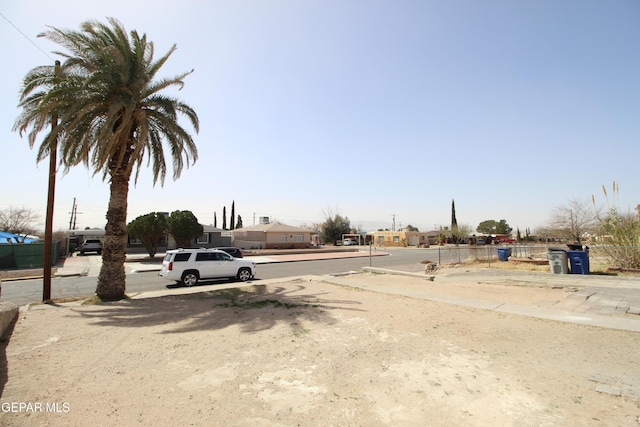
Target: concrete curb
x,y
398,273
8,313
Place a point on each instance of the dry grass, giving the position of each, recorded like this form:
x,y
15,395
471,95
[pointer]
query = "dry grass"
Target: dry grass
x,y
596,266
509,265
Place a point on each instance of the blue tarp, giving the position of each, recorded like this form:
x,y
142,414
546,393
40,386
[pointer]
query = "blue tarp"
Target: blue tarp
x,y
15,239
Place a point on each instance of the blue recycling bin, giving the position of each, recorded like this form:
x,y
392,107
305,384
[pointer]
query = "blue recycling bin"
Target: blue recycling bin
x,y
504,254
579,261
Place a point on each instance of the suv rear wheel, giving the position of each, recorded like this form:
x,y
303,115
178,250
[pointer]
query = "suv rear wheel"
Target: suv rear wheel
x,y
244,274
190,278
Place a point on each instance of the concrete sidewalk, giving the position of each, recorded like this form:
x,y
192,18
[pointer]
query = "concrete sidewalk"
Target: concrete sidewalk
x,y
603,301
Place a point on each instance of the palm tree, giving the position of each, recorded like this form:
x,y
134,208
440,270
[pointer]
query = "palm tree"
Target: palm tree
x,y
111,116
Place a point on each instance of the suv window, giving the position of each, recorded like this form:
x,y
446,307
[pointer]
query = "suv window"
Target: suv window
x,y
181,257
212,256
233,251
205,256
222,256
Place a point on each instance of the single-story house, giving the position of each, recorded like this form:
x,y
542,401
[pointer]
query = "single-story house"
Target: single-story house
x,y
274,235
398,238
211,237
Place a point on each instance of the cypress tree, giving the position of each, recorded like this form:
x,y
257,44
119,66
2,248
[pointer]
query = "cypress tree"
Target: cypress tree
x,y
454,221
224,217
232,218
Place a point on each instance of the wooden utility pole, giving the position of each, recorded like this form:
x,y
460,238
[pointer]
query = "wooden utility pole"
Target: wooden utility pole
x,y
72,221
48,231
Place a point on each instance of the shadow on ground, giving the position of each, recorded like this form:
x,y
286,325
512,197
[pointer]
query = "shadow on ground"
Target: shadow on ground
x,y
4,364
254,308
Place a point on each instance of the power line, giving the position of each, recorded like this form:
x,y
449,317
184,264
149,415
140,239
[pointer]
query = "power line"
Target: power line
x,y
26,37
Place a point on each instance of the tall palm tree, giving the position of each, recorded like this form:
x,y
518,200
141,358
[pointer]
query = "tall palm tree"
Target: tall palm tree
x,y
111,116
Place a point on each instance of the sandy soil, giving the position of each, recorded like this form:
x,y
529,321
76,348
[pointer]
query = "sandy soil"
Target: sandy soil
x,y
309,352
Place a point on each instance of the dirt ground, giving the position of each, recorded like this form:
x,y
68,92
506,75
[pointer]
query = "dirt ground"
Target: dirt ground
x,y
310,352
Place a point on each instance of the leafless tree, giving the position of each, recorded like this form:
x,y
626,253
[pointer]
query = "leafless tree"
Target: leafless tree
x,y
573,220
19,220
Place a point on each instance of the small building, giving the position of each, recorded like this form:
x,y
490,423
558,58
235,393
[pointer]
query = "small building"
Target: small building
x,y
274,235
212,237
398,238
76,237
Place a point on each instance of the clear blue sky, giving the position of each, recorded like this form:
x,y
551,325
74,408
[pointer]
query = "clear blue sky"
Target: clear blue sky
x,y
369,109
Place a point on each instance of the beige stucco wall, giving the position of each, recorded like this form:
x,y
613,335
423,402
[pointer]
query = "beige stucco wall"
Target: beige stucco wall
x,y
400,238
275,240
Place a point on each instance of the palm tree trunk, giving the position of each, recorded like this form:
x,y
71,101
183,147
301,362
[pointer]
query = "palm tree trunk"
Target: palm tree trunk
x,y
111,280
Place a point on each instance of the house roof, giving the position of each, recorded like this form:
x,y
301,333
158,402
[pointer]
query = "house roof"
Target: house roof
x,y
210,229
276,227
10,238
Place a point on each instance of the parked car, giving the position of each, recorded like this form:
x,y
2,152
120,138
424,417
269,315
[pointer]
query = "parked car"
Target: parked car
x,y
188,266
349,242
234,252
91,245
506,241
480,242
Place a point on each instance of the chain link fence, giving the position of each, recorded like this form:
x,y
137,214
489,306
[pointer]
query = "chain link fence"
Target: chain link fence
x,y
489,253
603,257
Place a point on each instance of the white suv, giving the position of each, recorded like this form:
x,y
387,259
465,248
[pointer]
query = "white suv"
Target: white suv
x,y
188,266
